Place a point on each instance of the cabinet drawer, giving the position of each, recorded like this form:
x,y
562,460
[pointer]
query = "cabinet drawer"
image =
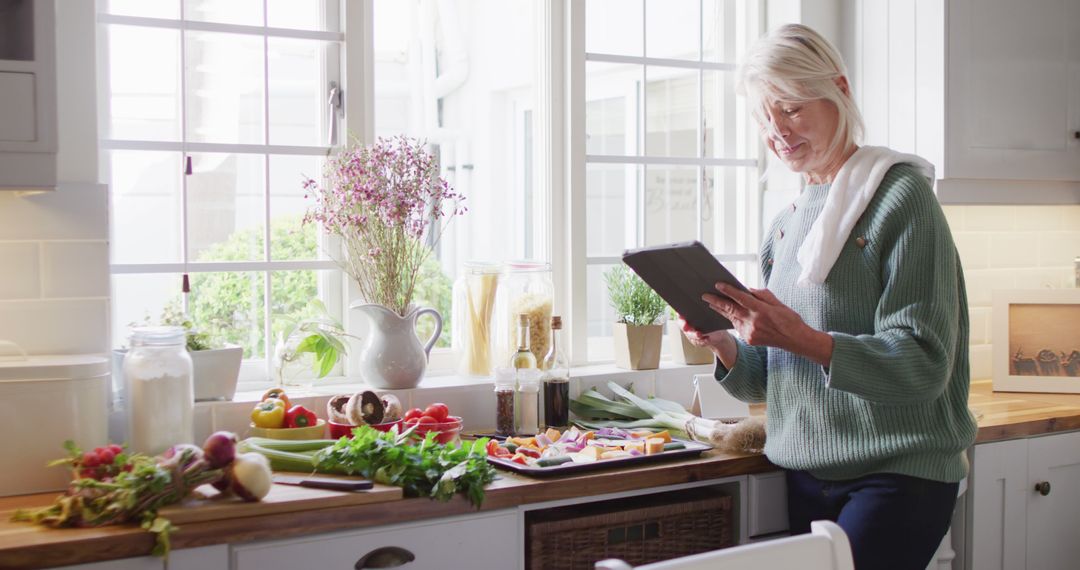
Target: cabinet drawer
x,y
475,541
19,110
767,495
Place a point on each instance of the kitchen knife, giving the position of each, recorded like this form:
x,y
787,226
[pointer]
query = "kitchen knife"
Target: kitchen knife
x,y
324,483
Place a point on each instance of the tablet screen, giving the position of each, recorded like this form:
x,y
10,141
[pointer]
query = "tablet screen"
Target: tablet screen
x,y
681,273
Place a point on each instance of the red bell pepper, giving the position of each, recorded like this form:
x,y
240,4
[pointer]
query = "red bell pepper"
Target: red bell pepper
x,y
299,416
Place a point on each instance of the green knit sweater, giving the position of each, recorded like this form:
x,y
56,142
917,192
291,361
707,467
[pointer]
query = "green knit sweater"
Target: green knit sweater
x,y
894,398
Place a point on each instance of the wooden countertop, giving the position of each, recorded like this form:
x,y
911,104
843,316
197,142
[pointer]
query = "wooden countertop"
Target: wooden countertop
x,y
1001,416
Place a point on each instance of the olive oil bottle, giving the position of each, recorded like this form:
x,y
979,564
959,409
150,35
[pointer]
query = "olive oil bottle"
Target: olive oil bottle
x,y
523,357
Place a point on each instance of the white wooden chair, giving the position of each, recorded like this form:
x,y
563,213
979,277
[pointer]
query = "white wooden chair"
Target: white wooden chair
x,y
826,547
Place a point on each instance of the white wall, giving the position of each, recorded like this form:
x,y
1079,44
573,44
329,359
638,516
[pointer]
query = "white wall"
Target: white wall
x,y
54,269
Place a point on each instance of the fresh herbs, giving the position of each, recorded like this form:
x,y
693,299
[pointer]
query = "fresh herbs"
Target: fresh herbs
x,y
634,301
321,336
422,468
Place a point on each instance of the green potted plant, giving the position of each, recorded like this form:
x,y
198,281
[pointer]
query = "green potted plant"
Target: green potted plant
x,y
639,317
681,349
309,348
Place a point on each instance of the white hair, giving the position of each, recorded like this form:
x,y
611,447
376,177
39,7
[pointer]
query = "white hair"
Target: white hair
x,y
794,64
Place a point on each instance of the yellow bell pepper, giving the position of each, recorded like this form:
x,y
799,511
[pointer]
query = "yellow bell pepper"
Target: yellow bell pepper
x,y
269,413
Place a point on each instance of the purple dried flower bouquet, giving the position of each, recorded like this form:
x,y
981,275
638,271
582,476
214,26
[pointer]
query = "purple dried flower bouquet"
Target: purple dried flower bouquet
x,y
386,202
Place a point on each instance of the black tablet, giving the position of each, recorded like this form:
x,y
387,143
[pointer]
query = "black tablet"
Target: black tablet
x,y
681,273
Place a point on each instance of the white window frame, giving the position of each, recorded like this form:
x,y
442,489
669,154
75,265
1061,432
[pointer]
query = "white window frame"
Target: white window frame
x,y
577,160
256,372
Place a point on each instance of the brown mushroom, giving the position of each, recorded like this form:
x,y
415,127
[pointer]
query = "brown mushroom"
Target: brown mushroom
x,y
335,409
392,408
365,408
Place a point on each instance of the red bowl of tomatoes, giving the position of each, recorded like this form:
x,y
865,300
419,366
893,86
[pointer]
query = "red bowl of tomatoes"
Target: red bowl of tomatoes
x,y
338,431
435,418
445,432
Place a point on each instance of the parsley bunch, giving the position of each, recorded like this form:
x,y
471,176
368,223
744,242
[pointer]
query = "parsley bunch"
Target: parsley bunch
x,y
423,468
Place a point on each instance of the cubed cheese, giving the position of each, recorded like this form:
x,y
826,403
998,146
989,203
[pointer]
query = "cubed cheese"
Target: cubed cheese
x,y
614,454
635,445
654,445
596,451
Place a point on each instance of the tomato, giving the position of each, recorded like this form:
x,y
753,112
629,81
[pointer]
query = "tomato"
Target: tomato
x,y
519,458
438,410
411,421
413,413
428,420
529,452
493,447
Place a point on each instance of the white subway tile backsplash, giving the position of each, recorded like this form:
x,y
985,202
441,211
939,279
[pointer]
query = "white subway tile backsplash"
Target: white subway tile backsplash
x,y
72,211
21,270
75,269
982,282
988,218
981,361
1038,218
954,215
1014,249
980,325
56,327
974,249
1041,278
1058,248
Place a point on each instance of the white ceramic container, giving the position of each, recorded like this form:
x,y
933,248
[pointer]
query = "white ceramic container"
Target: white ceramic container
x,y
45,400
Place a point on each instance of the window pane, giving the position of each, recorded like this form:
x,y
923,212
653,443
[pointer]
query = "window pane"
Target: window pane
x,y
289,239
671,103
611,205
612,108
139,299
145,219
224,88
144,83
730,193
291,298
614,27
672,29
670,204
144,8
246,12
480,123
229,306
303,14
434,288
225,207
298,88
728,28
729,131
601,315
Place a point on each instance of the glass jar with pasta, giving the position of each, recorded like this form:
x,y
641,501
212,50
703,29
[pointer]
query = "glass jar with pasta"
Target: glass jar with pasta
x,y
525,289
474,308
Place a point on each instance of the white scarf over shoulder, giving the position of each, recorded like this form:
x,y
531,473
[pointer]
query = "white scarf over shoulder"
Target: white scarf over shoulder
x,y
851,191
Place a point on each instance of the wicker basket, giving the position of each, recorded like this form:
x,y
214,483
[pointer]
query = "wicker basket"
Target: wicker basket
x,y
662,527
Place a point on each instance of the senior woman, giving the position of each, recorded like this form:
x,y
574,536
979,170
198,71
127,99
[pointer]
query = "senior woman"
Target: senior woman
x,y
858,345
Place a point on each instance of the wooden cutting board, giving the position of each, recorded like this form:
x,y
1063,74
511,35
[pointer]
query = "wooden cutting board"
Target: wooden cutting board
x,y
282,499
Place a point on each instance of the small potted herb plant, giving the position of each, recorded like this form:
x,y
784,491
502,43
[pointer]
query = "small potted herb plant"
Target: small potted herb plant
x,y
639,318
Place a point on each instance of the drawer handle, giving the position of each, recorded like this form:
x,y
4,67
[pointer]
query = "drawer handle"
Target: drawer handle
x,y
385,557
1043,488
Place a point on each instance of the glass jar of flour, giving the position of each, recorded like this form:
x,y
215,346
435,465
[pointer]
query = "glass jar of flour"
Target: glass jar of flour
x,y
160,394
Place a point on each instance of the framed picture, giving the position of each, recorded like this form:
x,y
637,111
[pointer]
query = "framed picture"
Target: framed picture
x,y
1036,336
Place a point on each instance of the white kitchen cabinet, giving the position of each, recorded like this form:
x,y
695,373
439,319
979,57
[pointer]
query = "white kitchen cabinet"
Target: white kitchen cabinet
x,y
28,138
987,90
767,503
1012,524
203,558
486,540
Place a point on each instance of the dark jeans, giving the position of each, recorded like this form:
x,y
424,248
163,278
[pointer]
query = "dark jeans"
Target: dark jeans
x,y
892,521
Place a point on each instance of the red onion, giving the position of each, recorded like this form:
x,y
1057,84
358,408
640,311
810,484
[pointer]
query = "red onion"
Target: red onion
x,y
220,449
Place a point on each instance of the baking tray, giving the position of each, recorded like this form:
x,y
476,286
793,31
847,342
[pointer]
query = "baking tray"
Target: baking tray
x,y
693,449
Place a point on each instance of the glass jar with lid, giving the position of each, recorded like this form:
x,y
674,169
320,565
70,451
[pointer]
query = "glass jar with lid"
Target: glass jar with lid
x,y
525,288
160,393
473,313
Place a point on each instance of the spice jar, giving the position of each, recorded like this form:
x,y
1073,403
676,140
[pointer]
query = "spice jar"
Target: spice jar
x,y
528,401
473,309
505,383
160,395
524,288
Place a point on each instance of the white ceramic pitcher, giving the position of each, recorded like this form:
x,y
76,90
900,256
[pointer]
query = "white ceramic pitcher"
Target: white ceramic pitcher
x,y
391,356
